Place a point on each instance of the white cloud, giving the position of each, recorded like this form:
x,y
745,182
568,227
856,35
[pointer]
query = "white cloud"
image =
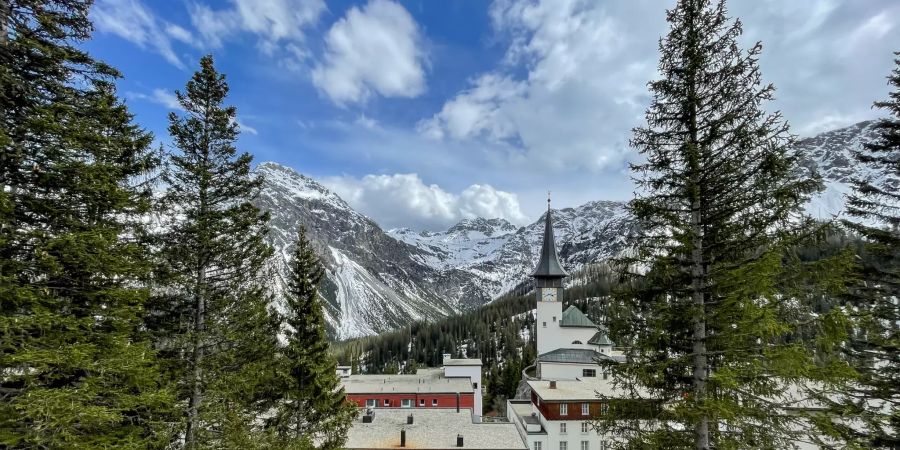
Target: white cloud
x,y
373,50
477,111
279,25
244,128
405,200
366,122
131,20
158,96
581,90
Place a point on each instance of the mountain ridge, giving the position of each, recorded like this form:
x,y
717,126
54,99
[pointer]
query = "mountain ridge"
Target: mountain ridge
x,y
378,280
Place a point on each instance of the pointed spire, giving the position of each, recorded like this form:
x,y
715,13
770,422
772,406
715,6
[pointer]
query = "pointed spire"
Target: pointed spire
x,y
548,266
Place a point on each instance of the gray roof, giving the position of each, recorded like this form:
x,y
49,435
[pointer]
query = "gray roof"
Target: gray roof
x,y
425,381
573,317
600,338
463,362
548,265
572,356
431,429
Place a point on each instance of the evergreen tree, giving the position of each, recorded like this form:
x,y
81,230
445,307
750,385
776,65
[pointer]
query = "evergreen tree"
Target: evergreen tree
x,y
716,300
73,186
210,315
315,407
874,399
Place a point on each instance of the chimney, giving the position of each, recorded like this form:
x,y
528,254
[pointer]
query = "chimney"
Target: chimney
x,y
409,419
403,437
369,417
459,440
552,384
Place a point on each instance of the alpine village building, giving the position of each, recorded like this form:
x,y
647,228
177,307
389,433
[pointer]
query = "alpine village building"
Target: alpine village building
x,y
441,408
560,395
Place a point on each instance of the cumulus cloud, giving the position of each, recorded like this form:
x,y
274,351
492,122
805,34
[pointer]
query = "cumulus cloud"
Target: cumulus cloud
x,y
572,83
373,50
279,25
131,20
404,200
579,93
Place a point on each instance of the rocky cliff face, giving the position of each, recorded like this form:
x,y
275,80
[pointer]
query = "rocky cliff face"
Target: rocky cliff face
x,y
379,280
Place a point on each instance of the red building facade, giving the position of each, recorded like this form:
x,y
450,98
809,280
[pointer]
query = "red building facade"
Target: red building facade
x,y
412,400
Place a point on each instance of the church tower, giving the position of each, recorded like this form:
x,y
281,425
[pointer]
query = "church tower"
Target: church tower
x,y
548,283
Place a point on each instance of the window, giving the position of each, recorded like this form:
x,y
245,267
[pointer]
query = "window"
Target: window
x,y
604,408
474,385
537,446
545,324
406,403
421,402
554,318
564,409
585,409
387,402
563,445
602,445
588,373
585,445
562,428
585,427
434,402
371,403
605,374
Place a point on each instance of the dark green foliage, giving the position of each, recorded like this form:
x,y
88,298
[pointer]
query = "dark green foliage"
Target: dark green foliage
x,y
874,346
73,184
715,298
314,405
210,314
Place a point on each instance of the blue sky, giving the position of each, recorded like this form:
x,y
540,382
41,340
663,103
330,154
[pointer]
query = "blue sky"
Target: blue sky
x,y
421,113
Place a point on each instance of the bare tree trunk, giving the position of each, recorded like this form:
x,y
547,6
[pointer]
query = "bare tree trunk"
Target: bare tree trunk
x,y
701,429
197,360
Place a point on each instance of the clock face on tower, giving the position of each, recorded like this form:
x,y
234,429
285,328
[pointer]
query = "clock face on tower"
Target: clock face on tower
x,y
548,295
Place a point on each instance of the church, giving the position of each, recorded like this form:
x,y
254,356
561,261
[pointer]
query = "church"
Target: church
x,y
569,344
560,399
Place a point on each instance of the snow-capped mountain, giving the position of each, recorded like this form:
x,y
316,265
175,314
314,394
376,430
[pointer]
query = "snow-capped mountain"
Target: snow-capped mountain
x,y
830,154
500,257
377,280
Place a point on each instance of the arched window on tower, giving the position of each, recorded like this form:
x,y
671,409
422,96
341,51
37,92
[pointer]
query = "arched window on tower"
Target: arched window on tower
x,y
576,342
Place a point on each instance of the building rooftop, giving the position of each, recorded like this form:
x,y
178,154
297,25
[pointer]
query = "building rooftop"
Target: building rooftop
x,y
425,381
548,265
573,317
586,389
431,429
600,338
463,362
572,356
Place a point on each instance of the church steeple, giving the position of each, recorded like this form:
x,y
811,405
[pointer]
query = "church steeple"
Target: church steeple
x,y
548,272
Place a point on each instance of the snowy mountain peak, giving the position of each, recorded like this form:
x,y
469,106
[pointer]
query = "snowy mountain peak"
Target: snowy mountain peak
x,y
298,185
487,227
378,281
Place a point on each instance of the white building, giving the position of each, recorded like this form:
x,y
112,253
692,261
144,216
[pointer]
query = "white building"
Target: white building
x,y
569,345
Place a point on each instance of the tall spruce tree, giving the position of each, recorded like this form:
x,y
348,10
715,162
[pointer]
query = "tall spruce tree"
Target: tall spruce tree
x,y
315,407
211,317
715,299
76,371
874,206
